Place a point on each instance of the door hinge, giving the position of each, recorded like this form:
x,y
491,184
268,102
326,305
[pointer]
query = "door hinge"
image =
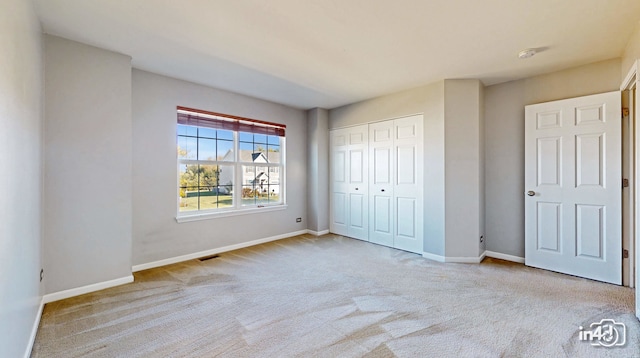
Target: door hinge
x,y
625,183
625,254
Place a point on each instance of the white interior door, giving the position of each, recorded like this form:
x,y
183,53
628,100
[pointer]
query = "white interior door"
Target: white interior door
x,y
408,183
349,182
573,183
339,182
381,154
358,162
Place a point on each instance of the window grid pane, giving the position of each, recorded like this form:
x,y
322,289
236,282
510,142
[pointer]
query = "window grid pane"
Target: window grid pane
x,y
209,186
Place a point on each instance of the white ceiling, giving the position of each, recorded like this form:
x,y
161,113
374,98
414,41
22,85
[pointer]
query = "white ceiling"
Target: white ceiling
x,y
327,53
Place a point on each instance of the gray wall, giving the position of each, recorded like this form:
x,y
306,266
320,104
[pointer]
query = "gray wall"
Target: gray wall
x,y
20,174
156,234
483,170
504,173
87,165
504,142
318,169
428,100
434,174
463,167
631,52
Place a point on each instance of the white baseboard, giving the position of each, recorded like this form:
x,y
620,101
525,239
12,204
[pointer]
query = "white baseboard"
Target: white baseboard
x,y
195,255
451,259
482,256
318,233
34,330
434,257
56,296
497,255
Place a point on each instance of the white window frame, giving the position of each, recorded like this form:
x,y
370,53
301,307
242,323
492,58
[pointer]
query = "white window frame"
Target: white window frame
x,y
238,184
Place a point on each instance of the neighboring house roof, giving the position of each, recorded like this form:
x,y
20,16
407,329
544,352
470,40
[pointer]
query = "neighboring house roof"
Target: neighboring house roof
x,y
248,156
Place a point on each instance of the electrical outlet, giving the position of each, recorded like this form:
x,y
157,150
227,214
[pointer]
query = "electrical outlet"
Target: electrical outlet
x,y
298,220
482,239
41,274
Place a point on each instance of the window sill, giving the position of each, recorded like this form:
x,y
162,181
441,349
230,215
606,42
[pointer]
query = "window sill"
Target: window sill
x,y
214,215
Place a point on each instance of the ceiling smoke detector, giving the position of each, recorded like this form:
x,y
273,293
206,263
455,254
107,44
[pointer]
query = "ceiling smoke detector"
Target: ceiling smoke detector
x,y
527,53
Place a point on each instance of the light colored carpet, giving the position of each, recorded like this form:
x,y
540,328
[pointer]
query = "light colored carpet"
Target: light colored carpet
x,y
337,297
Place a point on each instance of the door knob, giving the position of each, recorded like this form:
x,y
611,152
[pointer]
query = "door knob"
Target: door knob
x,y
531,193
382,190
356,188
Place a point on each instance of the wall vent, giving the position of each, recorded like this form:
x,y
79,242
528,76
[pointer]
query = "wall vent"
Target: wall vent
x,y
208,257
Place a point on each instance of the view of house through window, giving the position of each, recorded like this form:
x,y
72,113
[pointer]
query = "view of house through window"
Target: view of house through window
x,y
227,163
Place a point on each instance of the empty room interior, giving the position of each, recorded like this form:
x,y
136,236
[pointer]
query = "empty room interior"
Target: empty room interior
x,y
319,178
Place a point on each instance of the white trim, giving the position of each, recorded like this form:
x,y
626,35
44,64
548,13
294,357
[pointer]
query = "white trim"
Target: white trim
x,y
212,215
465,260
34,330
630,213
195,255
317,233
379,120
56,296
630,78
451,259
434,257
498,255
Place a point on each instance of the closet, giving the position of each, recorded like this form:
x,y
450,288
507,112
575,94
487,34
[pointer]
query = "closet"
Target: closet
x,y
377,182
349,182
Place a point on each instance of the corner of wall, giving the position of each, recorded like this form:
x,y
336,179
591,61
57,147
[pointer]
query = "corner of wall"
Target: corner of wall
x,y
463,167
21,104
318,169
79,76
482,183
631,52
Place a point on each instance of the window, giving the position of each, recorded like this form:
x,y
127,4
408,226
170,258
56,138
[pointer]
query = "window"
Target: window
x,y
228,163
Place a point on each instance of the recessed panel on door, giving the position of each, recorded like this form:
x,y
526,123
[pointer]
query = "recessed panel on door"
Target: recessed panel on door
x,y
339,208
382,135
382,214
406,165
356,138
340,140
358,216
549,120
590,160
406,214
357,211
549,226
406,131
339,167
586,115
356,166
549,160
382,165
590,231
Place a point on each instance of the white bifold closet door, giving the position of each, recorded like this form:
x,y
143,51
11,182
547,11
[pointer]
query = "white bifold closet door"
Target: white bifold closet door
x,y
396,184
376,182
349,182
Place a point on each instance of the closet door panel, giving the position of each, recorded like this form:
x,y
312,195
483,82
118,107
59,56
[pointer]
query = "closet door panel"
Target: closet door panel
x,y
339,182
408,183
381,224
358,178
